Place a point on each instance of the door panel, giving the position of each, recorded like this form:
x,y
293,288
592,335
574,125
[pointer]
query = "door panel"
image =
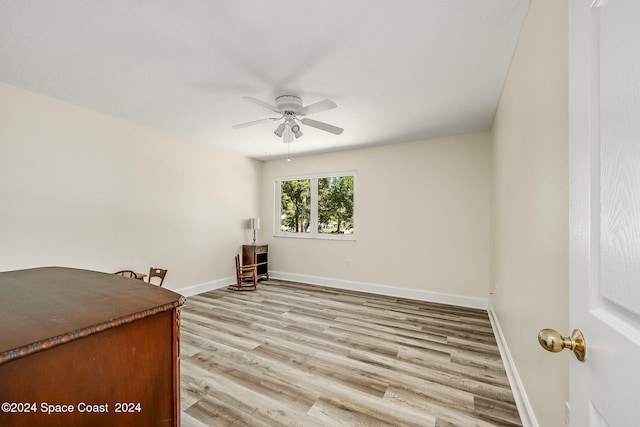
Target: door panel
x,y
604,111
618,45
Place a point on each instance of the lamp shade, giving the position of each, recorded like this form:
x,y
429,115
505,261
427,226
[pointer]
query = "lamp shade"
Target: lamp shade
x,y
254,223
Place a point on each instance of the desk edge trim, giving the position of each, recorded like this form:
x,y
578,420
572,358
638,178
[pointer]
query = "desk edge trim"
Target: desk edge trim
x,y
36,347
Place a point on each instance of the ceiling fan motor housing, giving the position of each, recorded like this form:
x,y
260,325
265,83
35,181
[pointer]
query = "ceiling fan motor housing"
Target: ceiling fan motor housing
x,y
288,104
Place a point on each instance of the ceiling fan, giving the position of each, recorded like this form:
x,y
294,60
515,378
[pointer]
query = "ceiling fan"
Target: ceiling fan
x,y
290,109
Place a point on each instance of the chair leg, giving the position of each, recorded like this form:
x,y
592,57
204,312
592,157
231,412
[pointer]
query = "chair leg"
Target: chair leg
x,y
236,287
243,286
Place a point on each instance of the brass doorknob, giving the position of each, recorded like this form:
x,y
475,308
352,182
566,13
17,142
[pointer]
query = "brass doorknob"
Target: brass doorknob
x,y
552,341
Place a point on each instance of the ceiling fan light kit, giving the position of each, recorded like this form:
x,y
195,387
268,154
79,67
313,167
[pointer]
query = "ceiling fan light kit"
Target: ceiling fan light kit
x,y
290,108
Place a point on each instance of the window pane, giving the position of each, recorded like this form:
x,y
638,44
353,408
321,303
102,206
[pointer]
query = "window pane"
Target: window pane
x,y
335,205
295,206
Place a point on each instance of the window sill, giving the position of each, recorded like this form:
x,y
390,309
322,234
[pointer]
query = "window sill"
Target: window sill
x,y
343,237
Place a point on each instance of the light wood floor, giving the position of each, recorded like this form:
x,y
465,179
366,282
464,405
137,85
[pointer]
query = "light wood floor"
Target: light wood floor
x,y
291,354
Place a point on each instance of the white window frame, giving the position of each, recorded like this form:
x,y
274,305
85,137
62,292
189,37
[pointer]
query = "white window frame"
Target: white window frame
x,y
313,234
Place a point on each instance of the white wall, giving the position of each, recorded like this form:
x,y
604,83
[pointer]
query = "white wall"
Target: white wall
x,y
86,190
421,220
530,207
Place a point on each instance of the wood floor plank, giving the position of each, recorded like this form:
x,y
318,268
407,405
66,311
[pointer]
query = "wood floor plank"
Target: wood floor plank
x,y
291,354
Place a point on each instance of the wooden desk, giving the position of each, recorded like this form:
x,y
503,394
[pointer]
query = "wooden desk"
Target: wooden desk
x,y
84,341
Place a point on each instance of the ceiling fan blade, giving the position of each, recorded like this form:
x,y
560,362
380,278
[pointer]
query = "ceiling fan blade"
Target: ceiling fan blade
x,y
323,126
287,136
261,103
327,104
255,122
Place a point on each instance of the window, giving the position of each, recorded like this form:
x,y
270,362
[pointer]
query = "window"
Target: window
x,y
320,206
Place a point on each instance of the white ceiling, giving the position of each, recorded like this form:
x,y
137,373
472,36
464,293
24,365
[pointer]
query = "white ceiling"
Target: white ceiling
x,y
399,70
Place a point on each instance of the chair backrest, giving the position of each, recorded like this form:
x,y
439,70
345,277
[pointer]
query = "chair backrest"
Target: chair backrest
x,y
244,275
157,272
238,271
127,273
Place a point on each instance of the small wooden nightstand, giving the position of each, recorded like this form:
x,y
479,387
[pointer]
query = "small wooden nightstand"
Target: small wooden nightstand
x,y
257,254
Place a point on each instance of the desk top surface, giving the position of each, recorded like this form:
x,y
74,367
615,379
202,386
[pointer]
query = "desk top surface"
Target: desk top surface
x,y
48,306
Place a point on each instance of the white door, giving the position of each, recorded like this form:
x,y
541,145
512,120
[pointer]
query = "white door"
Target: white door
x,y
604,147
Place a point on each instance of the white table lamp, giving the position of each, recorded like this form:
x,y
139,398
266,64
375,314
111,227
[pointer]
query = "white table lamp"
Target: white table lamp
x,y
254,224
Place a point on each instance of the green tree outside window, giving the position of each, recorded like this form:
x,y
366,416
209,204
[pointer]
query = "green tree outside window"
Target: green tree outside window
x,y
335,205
317,206
295,210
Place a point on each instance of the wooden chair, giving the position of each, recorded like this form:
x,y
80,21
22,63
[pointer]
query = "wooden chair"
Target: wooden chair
x,y
157,272
127,273
246,277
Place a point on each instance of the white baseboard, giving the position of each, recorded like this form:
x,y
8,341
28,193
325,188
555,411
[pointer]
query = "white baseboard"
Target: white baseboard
x,y
527,416
205,287
373,288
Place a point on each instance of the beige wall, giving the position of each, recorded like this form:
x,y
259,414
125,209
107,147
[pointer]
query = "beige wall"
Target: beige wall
x,y
422,219
82,189
530,207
